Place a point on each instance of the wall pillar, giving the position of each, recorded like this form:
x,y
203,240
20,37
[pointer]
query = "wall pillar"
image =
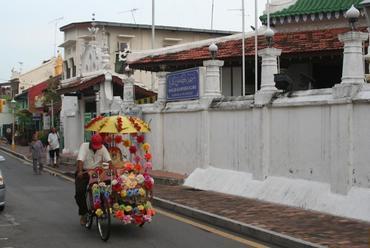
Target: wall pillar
x,y
129,92
268,69
212,87
353,74
162,96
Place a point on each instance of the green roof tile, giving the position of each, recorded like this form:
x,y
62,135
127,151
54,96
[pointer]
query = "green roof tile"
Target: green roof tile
x,y
306,7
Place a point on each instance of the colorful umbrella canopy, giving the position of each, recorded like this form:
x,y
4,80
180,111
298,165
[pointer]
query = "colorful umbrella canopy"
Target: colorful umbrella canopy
x,y
118,124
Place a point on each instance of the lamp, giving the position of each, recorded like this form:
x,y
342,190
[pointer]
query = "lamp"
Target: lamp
x,y
352,15
96,89
269,34
128,71
213,49
13,104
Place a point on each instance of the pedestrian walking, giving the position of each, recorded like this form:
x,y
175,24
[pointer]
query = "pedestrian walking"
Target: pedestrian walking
x,y
53,141
36,148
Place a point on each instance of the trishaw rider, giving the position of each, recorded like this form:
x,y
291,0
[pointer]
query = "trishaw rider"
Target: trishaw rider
x,y
91,154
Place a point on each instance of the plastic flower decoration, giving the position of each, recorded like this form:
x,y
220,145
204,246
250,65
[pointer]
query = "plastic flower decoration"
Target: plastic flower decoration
x,y
119,214
132,149
142,192
123,178
138,219
140,207
140,139
148,166
129,166
146,147
137,167
128,208
115,206
131,181
147,218
137,159
148,156
127,219
123,193
126,143
99,212
119,124
140,178
118,139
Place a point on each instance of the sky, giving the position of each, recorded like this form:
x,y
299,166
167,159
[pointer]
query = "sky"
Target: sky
x,y
28,31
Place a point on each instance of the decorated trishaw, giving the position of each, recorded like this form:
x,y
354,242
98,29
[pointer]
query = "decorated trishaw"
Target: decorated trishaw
x,y
123,192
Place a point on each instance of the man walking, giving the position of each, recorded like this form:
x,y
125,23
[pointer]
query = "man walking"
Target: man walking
x,y
53,141
36,148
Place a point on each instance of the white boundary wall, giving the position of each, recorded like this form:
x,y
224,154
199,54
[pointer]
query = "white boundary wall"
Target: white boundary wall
x,y
310,136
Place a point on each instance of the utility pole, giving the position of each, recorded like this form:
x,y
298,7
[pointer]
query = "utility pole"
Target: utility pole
x,y
256,46
243,45
153,23
243,48
52,113
213,7
55,21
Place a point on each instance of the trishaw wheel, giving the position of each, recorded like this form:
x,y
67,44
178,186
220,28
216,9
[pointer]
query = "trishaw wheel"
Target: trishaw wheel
x,y
103,221
90,219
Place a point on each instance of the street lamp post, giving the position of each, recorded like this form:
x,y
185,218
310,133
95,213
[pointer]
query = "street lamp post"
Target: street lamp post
x,y
12,106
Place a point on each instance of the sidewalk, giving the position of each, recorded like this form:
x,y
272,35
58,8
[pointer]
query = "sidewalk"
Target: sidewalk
x,y
266,221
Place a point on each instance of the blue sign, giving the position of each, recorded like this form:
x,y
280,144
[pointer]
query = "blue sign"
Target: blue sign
x,y
183,85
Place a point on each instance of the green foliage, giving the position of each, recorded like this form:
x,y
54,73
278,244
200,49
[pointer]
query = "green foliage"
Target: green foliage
x,y
43,137
50,93
24,118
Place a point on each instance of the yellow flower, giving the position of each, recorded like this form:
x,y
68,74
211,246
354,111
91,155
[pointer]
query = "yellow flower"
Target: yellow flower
x,y
115,206
123,193
99,212
128,208
142,192
131,181
146,147
140,207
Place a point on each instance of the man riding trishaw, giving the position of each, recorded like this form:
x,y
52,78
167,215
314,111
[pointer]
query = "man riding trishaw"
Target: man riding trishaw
x,y
91,155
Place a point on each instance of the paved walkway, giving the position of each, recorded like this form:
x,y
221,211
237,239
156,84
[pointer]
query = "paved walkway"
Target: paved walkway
x,y
315,227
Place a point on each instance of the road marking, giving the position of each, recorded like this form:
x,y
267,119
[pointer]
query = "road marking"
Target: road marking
x,y
3,238
211,229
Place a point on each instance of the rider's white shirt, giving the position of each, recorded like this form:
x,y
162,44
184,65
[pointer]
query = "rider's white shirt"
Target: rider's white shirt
x,y
91,159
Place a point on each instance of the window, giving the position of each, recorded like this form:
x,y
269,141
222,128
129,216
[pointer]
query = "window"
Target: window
x,y
121,46
67,70
73,67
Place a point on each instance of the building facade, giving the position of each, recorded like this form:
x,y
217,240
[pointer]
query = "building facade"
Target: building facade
x,y
48,69
121,36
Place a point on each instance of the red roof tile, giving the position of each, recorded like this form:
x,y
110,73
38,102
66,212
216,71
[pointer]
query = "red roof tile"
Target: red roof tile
x,y
290,43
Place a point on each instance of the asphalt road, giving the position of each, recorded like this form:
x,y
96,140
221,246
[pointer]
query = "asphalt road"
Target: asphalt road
x,y
40,212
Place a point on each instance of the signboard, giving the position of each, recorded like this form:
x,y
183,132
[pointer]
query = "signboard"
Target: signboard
x,y
36,97
36,117
46,122
183,85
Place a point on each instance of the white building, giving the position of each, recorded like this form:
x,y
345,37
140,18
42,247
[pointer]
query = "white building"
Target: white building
x,y
121,36
48,69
